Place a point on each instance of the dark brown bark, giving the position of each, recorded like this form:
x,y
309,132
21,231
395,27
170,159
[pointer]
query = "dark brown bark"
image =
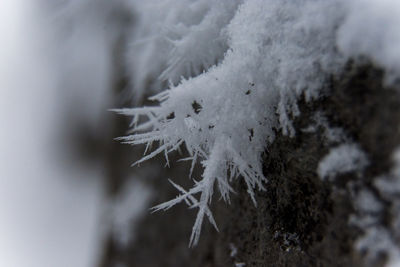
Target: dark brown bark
x,y
300,219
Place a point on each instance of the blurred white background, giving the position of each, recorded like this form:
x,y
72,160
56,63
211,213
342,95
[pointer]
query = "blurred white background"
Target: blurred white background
x,y
54,76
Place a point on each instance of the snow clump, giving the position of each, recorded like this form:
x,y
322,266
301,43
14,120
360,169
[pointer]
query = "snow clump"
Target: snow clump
x,y
236,71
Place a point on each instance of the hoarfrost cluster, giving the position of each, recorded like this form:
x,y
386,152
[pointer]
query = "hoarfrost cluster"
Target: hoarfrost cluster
x,y
236,71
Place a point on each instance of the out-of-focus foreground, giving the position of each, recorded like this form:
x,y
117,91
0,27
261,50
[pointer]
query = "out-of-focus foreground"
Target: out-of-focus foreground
x,y
57,64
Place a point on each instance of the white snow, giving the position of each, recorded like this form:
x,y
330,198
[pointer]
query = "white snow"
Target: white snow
x,y
342,159
377,240
233,250
371,29
389,185
173,39
332,135
367,202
